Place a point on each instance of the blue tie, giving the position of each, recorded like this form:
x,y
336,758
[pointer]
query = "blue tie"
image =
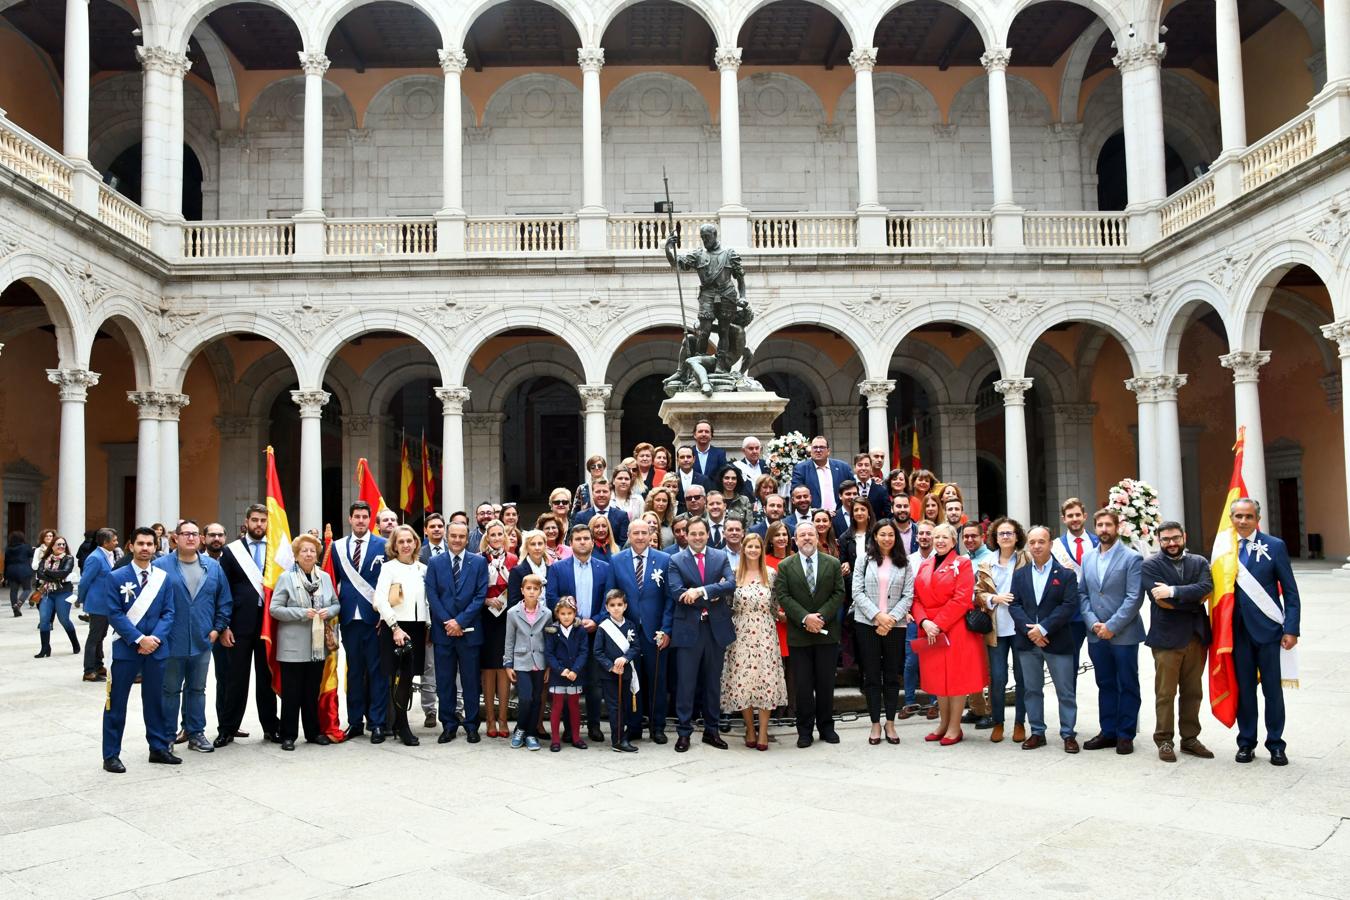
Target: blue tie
x,y
257,554
454,569
1242,553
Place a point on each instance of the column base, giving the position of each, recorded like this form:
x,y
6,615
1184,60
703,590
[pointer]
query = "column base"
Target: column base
x,y
1227,174
1007,226
450,225
1145,224
734,225
872,226
592,229
311,235
84,186
1331,114
166,234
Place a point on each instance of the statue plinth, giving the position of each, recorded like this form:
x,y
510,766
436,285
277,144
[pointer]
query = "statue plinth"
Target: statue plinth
x,y
734,415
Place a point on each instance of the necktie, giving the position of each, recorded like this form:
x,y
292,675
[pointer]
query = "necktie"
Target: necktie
x,y
717,535
145,576
638,568
702,574
811,572
1242,553
1079,557
356,554
257,554
435,550
455,563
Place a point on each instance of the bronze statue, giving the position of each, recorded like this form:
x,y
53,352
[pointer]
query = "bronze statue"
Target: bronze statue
x,y
723,309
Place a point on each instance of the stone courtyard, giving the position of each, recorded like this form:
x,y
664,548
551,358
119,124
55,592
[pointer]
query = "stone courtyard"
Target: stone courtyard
x,y
976,820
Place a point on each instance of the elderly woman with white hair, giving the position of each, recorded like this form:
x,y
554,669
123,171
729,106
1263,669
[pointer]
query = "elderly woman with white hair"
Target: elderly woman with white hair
x,y
303,603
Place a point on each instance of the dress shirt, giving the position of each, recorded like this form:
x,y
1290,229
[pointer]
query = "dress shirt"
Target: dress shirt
x,y
1002,585
826,477
1040,577
702,456
582,578
1100,559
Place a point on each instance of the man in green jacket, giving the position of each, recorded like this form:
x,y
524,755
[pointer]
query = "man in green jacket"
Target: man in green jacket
x,y
810,588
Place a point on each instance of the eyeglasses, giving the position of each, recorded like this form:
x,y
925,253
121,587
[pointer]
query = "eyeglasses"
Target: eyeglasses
x,y
596,465
1174,539
559,502
1011,534
189,534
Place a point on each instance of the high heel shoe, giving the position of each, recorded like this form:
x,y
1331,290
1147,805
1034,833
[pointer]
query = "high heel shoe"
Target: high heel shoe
x,y
947,742
892,740
874,739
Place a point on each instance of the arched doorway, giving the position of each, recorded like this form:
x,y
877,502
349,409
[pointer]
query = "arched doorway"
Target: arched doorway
x,y
541,439
642,415
1112,188
124,176
800,412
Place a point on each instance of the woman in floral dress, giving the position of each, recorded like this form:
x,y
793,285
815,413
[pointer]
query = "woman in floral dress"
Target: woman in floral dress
x,y
752,677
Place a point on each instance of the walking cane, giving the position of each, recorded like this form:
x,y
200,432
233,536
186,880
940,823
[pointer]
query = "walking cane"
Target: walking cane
x,y
618,733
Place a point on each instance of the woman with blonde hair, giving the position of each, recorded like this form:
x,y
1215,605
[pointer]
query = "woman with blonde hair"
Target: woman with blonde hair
x,y
752,676
496,681
400,601
603,535
626,496
303,603
554,529
645,475
661,501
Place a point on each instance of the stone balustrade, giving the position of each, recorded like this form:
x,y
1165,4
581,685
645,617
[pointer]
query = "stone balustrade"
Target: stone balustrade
x,y
232,240
804,231
1279,152
25,155
380,237
521,234
939,231
649,232
123,216
1190,204
1076,231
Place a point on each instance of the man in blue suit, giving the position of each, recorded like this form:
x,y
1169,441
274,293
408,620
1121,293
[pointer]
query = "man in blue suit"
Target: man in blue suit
x,y
701,584
93,570
201,611
640,572
1110,594
587,580
1265,621
457,584
1045,598
707,458
140,611
618,519
820,470
356,565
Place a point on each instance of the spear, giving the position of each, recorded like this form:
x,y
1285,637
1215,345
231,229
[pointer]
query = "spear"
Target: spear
x,y
670,218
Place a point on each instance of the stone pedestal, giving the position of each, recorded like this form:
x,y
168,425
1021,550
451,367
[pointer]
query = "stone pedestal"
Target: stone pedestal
x,y
734,416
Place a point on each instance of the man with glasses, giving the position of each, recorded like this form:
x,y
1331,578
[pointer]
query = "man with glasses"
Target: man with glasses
x,y
1177,584
696,503
484,514
201,611
690,478
822,475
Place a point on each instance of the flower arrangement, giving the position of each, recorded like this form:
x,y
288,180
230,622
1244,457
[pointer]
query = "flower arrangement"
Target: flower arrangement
x,y
1137,503
784,452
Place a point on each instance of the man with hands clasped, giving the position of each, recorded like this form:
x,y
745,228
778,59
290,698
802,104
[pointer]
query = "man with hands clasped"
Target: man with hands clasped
x,y
810,589
456,590
701,583
1044,600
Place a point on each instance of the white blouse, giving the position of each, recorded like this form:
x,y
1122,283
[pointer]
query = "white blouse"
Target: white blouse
x,y
412,578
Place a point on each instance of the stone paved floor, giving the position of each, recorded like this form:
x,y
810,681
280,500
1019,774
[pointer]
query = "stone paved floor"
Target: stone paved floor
x,y
851,820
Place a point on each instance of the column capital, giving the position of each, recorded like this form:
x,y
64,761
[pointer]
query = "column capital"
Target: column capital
x,y
1140,56
311,403
1152,388
1339,332
594,396
591,59
452,61
876,391
163,61
996,59
1167,385
1246,364
727,58
73,384
864,59
453,399
146,402
1014,390
171,404
313,63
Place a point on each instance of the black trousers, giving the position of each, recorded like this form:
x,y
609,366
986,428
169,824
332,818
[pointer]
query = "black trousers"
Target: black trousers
x,y
300,683
400,669
220,658
248,657
880,659
813,668
93,643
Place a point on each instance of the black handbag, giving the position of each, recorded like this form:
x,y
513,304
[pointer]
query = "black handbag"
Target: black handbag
x,y
979,621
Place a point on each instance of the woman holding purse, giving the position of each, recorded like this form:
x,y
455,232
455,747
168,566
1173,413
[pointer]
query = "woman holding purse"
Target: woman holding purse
x,y
883,591
303,603
53,576
400,600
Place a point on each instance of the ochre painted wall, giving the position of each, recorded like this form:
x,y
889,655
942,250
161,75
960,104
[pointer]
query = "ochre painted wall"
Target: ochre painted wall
x,y
1275,77
30,92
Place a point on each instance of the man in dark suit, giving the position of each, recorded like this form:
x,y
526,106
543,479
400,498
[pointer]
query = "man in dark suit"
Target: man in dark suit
x,y
775,507
93,570
801,508
600,506
1045,595
871,486
752,465
707,458
810,588
433,527
457,584
1178,584
1265,621
243,563
356,560
640,572
689,477
820,470
701,584
587,580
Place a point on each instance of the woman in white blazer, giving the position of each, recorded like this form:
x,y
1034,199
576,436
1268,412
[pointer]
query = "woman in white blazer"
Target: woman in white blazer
x,y
883,591
400,601
303,602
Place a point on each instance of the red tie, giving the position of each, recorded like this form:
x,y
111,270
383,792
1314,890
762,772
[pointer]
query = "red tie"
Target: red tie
x,y
701,574
1079,542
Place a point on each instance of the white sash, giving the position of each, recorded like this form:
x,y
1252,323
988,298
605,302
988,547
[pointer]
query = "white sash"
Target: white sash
x,y
362,586
245,560
1271,610
147,595
621,639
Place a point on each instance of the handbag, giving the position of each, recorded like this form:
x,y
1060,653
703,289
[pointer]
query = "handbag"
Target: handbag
x,y
36,597
979,621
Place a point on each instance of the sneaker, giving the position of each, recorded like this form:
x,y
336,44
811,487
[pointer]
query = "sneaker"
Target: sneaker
x,y
518,740
531,743
199,743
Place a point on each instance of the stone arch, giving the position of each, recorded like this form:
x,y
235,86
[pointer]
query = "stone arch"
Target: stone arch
x,y
1027,106
1185,304
179,353
826,312
552,319
573,10
1050,373
1118,323
1071,81
840,11
1310,317
384,378
274,128
512,168
261,382
1262,276
1109,13
792,159
930,367
222,75
354,324
904,107
334,14
642,359
974,11
115,121
836,385
1306,11
52,287
957,310
656,117
533,359
709,14
194,15
1042,180
404,121
128,318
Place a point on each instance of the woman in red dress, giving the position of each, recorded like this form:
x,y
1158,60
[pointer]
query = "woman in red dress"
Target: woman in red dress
x,y
954,662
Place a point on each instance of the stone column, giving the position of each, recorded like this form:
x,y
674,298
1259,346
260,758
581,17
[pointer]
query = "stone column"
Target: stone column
x,y
170,407
311,405
161,123
84,179
591,218
954,425
614,449
1146,395
452,455
483,451
1232,103
594,398
1141,89
241,465
1007,216
147,456
73,388
871,214
1246,366
450,217
839,424
1336,16
1015,450
734,217
877,392
309,227
1339,331
1171,489
1075,466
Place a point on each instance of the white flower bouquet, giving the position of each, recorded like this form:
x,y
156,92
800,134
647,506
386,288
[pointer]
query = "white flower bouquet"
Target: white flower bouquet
x,y
784,452
1137,503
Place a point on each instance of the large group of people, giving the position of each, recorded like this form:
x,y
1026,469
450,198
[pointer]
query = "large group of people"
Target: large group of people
x,y
673,590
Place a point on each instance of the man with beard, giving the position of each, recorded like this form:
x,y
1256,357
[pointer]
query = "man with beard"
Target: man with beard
x,y
1110,597
243,563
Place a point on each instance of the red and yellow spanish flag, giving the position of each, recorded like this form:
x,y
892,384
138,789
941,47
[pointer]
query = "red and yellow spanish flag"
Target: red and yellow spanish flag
x,y
428,478
407,484
330,722
895,448
367,491
1223,689
914,461
279,559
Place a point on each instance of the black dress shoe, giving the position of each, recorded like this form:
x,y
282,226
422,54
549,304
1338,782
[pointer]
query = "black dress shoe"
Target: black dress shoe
x,y
596,735
1277,758
272,737
682,743
473,736
241,734
1098,742
409,739
377,735
805,741
712,740
222,740
831,738
447,735
659,737
354,732
114,764
288,745
969,717
625,747
322,740
164,758
984,722
1245,754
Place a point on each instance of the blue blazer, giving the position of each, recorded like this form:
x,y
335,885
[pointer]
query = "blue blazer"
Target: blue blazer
x,y
649,603
1053,613
804,473
461,600
349,598
720,583
717,458
195,619
606,652
618,521
95,567
1273,572
1117,597
562,583
566,652
157,621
